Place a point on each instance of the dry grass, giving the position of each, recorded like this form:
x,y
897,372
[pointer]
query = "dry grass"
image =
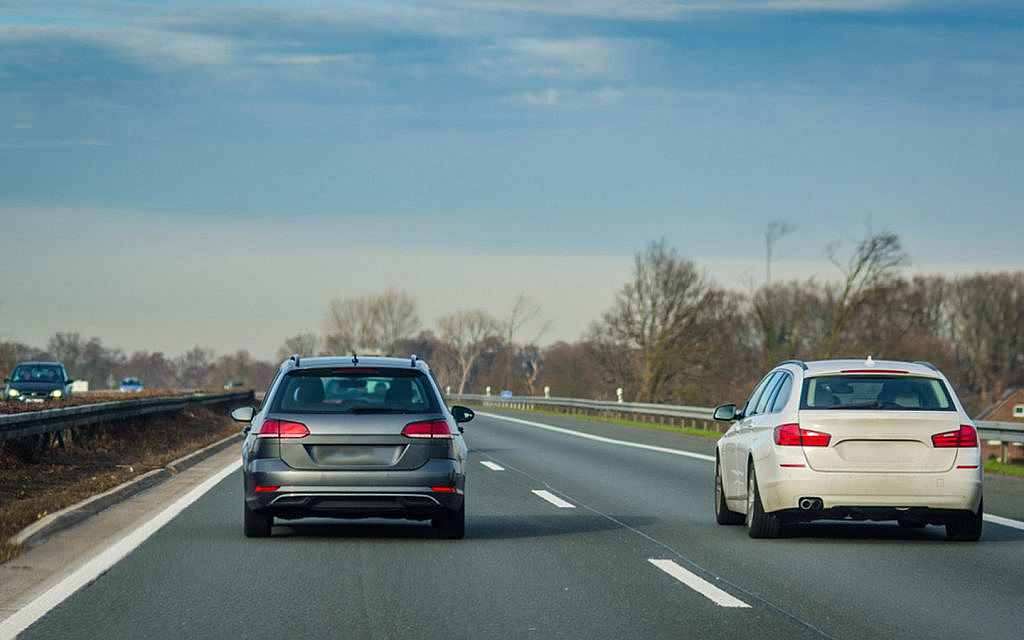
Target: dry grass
x,y
97,459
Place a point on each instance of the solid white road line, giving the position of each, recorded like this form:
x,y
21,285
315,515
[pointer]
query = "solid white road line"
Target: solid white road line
x,y
1006,522
700,585
553,499
106,559
492,466
589,436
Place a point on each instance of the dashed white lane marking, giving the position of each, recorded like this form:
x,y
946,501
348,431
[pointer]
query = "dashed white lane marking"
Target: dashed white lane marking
x,y
1006,522
106,559
492,466
590,436
700,585
553,499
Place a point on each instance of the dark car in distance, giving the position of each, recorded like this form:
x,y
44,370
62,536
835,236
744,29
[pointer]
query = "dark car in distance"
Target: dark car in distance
x,y
349,437
37,382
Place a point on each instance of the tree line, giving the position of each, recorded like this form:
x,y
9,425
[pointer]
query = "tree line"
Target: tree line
x,y
672,334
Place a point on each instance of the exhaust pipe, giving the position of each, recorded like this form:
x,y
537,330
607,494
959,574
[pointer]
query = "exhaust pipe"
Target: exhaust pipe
x,y
808,504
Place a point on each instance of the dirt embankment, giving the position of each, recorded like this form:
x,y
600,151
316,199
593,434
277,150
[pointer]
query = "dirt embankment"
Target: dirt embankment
x,y
34,482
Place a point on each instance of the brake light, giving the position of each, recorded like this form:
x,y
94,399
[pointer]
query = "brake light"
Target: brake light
x,y
428,429
282,429
791,435
964,437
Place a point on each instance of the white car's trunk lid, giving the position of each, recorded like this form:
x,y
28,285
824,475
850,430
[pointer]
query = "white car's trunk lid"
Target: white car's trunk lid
x,y
880,441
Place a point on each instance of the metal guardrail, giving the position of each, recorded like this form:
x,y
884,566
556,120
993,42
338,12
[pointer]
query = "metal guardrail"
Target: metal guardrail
x,y
27,423
1002,432
687,416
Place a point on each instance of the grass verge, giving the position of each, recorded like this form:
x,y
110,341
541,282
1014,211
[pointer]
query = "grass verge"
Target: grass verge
x,y
1003,469
653,426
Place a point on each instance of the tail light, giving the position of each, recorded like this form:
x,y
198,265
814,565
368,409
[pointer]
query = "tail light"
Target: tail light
x,y
964,437
791,435
427,429
282,429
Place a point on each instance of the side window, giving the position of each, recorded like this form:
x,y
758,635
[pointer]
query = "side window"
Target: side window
x,y
748,409
782,394
769,393
270,387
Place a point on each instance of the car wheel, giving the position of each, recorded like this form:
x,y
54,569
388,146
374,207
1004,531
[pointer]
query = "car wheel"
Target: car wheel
x,y
722,513
257,525
451,525
759,523
965,527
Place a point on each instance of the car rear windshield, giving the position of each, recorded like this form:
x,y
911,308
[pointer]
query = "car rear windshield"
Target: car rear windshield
x,y
360,390
876,392
37,373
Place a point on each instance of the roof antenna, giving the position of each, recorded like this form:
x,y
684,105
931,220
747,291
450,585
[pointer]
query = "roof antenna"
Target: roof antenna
x,y
355,358
412,360
295,359
869,362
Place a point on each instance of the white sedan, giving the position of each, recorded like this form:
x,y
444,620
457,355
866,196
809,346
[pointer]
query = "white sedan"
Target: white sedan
x,y
850,439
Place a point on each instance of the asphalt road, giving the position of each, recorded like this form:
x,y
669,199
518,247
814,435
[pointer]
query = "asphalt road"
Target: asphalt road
x,y
529,568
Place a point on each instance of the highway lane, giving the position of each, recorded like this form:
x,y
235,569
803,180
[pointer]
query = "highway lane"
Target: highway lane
x,y
529,567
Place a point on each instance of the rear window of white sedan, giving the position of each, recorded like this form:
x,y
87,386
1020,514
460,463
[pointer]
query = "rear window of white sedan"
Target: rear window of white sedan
x,y
876,392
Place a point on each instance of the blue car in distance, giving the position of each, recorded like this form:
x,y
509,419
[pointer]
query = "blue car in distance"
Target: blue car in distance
x,y
130,385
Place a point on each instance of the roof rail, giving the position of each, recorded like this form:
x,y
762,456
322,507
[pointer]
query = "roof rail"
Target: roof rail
x,y
925,363
799,363
295,359
412,360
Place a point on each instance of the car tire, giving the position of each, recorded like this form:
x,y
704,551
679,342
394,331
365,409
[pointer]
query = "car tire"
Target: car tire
x,y
451,525
759,523
257,525
966,527
723,515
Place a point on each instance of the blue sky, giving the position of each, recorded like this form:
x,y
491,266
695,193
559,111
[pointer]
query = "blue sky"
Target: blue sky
x,y
515,144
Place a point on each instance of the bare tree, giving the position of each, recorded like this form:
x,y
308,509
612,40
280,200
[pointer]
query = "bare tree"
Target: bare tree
x,y
465,335
395,312
875,261
370,323
775,231
659,321
304,344
524,311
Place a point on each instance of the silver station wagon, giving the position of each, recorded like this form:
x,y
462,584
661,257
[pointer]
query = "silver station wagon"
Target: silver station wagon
x,y
351,437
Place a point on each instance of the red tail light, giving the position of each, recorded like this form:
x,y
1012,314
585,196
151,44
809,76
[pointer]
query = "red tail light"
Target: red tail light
x,y
263,489
965,436
427,429
282,429
791,435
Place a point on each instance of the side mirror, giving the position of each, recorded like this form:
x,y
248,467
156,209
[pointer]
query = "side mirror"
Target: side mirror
x,y
243,414
725,412
6,380
462,414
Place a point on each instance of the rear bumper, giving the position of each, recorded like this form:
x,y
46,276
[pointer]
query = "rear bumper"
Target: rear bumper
x,y
956,489
355,493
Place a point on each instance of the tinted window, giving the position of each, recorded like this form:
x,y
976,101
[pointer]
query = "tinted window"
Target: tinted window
x,y
355,391
748,409
769,393
876,392
37,373
782,395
